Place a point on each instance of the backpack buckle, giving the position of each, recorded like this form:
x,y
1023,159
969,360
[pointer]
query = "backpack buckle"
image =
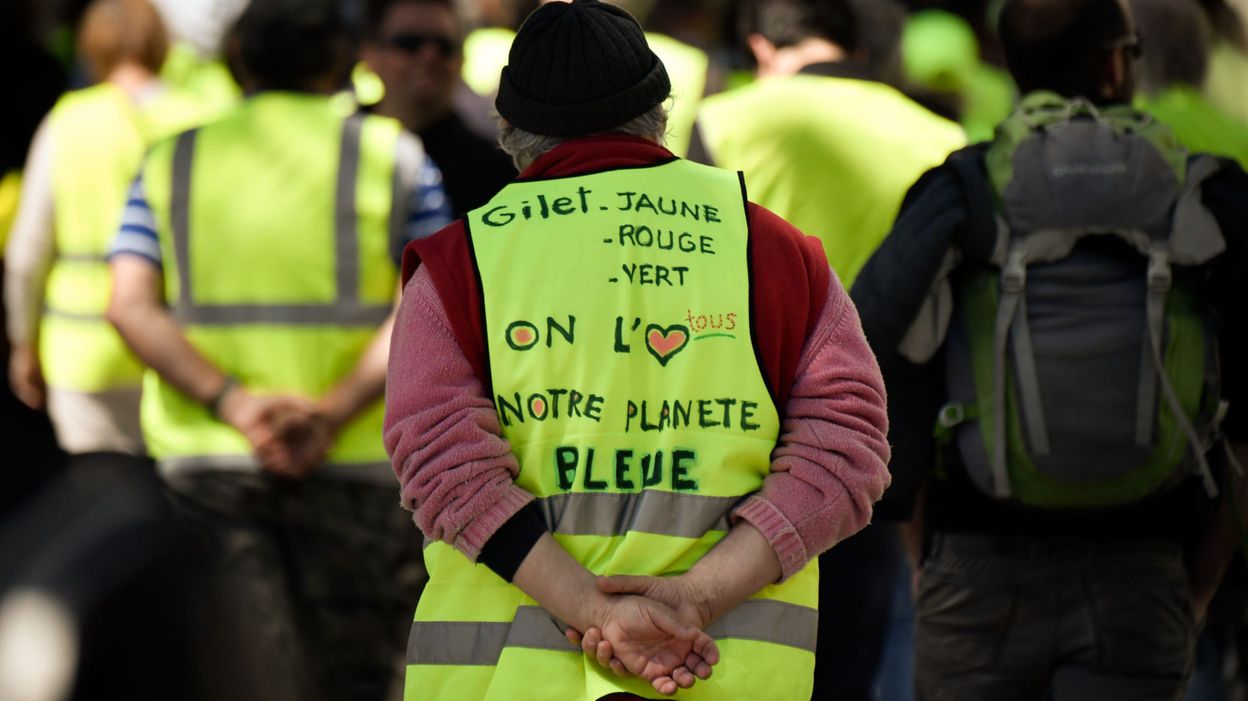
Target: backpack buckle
x,y
1014,274
951,415
1159,274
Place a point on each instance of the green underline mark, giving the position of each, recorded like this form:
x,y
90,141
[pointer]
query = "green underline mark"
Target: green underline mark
x,y
715,335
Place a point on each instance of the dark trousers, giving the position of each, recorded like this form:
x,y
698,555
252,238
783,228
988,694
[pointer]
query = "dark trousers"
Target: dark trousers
x,y
326,573
1027,618
855,600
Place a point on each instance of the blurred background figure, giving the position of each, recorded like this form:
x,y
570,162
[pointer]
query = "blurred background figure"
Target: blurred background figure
x,y
86,152
195,65
105,594
416,48
486,46
255,274
1173,68
821,143
942,55
1227,82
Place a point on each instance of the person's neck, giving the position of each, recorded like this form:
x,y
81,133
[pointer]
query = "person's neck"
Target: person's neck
x,y
792,59
133,79
415,118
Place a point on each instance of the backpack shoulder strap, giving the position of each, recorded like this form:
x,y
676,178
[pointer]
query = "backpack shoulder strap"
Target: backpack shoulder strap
x,y
1196,237
979,238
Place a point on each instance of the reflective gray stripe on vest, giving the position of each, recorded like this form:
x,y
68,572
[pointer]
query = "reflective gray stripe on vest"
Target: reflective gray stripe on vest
x,y
72,316
82,258
482,643
345,310
650,511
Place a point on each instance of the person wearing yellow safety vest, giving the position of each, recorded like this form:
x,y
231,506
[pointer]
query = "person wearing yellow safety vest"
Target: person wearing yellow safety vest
x,y
826,148
80,165
255,275
1171,74
621,366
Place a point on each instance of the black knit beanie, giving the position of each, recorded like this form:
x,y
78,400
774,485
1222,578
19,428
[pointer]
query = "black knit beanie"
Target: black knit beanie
x,y
579,68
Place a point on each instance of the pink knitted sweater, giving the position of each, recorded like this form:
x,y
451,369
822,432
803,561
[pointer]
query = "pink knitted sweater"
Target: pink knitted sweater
x,y
457,471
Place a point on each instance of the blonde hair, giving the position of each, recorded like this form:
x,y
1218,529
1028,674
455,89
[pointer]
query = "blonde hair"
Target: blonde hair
x,y
115,32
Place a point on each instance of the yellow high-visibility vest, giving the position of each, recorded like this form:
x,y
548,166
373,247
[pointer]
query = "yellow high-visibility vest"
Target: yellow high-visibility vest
x,y
833,156
625,376
99,138
274,225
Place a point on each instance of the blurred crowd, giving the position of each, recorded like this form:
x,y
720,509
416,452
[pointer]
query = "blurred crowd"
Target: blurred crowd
x,y
109,587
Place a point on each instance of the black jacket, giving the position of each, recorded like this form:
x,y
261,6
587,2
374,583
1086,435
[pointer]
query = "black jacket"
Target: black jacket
x,y
951,208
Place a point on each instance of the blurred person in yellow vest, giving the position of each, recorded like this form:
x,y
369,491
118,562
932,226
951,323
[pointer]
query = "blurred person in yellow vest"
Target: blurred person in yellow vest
x,y
1227,82
255,275
416,48
942,54
195,66
486,46
1171,73
823,145
84,155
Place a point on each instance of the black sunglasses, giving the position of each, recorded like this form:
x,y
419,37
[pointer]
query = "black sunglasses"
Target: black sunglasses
x,y
415,42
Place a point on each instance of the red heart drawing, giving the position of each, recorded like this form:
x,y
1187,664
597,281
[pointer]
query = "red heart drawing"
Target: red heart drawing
x,y
664,343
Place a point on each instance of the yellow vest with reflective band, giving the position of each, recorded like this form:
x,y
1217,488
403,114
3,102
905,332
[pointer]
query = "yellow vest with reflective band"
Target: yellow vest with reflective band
x,y
625,377
833,156
274,227
99,138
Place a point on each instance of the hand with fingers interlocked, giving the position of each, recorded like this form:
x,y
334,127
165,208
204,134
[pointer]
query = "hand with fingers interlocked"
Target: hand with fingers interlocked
x,y
652,628
288,436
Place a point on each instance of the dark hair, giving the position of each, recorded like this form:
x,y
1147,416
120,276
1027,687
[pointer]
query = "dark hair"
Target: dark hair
x,y
376,10
294,44
789,22
1061,45
1178,43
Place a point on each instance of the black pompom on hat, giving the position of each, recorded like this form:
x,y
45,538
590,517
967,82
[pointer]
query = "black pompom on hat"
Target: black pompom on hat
x,y
579,68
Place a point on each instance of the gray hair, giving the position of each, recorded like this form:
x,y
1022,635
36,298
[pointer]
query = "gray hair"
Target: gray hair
x,y
524,147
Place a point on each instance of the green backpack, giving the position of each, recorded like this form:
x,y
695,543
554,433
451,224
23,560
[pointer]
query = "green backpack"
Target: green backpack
x,y
1081,362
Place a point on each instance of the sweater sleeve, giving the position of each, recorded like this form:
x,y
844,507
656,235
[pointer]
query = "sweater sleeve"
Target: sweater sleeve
x,y
830,465
455,469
